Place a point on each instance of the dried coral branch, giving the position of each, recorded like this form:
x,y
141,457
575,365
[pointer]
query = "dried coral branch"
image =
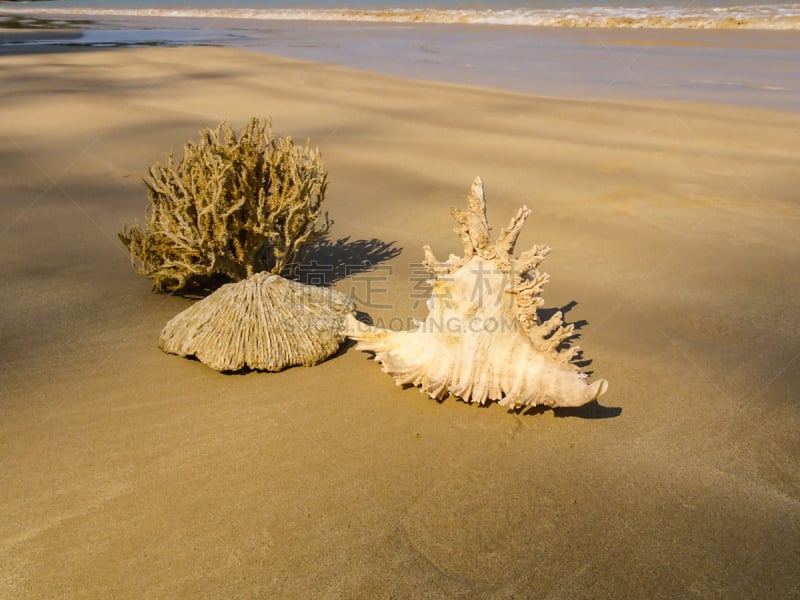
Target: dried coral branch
x,y
235,204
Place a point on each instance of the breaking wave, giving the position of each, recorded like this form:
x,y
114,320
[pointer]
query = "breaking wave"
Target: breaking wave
x,y
775,17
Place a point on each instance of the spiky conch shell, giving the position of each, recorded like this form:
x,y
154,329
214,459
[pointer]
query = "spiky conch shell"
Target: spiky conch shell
x,y
482,340
264,323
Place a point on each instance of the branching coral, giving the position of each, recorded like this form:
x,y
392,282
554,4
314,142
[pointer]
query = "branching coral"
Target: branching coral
x,y
235,204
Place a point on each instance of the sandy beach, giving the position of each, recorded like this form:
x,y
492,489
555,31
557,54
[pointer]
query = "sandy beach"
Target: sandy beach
x,y
128,473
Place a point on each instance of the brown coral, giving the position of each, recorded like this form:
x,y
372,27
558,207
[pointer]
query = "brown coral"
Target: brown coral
x,y
235,204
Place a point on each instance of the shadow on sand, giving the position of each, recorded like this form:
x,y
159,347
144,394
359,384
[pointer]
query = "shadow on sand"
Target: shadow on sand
x,y
327,262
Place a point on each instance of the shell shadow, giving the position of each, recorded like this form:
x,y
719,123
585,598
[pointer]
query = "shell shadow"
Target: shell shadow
x,y
579,361
592,410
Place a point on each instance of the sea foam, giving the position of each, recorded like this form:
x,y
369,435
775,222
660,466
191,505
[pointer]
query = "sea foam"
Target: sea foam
x,y
776,17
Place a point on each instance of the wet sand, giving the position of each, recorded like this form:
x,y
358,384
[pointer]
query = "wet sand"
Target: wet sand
x,y
750,68
742,67
128,473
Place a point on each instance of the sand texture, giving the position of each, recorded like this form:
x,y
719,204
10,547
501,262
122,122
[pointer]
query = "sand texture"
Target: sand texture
x,y
129,473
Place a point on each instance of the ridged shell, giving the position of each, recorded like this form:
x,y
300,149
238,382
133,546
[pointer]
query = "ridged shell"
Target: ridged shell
x,y
482,339
265,323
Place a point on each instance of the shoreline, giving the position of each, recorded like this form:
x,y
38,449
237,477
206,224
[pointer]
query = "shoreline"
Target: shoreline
x,y
732,67
129,473
17,36
689,16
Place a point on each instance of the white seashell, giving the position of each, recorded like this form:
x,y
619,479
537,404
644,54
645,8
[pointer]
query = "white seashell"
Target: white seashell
x,y
264,322
482,340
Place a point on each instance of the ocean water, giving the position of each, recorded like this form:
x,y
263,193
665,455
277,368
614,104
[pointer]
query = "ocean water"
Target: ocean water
x,y
660,58
696,14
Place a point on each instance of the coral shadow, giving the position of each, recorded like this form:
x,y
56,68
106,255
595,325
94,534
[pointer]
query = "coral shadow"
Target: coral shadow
x,y
198,288
327,262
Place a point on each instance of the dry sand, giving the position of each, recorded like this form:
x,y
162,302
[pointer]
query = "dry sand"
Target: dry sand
x,y
127,473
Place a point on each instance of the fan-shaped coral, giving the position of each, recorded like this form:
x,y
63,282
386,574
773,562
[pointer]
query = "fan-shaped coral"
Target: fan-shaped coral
x,y
265,322
483,340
